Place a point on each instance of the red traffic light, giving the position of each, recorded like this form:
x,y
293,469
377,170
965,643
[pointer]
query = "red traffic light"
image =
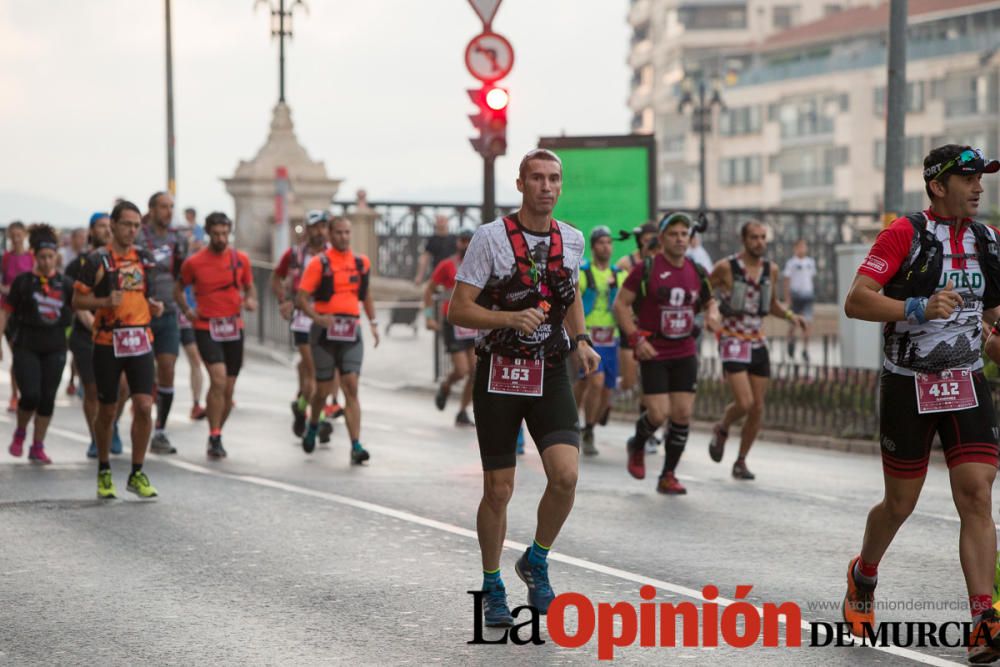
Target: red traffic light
x,y
497,99
491,120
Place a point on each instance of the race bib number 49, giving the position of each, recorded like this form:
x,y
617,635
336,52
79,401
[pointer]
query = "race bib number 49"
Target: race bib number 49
x,y
946,391
520,377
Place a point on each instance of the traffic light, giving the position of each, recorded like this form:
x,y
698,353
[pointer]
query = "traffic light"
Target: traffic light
x,y
491,120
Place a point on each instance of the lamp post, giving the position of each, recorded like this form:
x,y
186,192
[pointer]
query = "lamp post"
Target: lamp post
x,y
281,27
701,122
171,140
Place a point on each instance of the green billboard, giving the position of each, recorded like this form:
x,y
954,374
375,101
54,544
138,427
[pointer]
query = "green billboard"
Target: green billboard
x,y
606,181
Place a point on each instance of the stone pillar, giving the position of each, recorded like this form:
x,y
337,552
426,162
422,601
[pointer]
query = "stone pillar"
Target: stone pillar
x,y
252,187
363,239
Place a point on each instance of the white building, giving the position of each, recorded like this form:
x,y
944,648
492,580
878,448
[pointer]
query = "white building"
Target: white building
x,y
803,82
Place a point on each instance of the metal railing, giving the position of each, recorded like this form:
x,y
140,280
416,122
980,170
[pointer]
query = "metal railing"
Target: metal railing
x,y
266,324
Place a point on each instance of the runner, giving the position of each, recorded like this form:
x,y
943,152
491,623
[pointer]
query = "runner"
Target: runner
x,y
190,346
458,341
331,292
168,247
115,283
599,283
747,287
223,286
517,285
284,284
15,261
38,308
932,380
646,246
670,289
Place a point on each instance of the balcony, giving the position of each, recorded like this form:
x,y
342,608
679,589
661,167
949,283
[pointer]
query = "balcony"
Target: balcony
x,y
802,183
639,13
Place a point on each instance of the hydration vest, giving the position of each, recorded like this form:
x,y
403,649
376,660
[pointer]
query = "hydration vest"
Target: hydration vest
x,y
147,263
325,291
736,304
589,296
920,272
524,289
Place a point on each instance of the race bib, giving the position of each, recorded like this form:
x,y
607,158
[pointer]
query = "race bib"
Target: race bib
x,y
603,336
520,377
343,329
131,342
734,350
461,333
946,391
676,322
182,321
224,329
301,323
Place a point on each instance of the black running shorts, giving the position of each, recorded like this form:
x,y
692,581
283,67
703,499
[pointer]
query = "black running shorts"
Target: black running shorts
x,y
552,418
760,364
108,369
228,352
669,376
968,436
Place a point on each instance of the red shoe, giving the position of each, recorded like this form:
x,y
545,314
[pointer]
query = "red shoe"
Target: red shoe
x,y
198,413
636,460
984,644
36,453
71,389
669,485
333,411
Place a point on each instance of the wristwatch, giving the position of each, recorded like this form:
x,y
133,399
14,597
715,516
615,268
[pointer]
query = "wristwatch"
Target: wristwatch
x,y
585,338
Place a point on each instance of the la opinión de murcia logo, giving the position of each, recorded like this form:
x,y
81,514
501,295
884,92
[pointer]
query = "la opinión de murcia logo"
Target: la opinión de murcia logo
x,y
739,624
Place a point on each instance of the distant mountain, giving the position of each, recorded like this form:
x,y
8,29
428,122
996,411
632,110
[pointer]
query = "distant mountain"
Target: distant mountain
x,y
39,208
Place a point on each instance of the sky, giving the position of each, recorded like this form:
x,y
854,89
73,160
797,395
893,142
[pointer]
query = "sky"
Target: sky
x,y
376,89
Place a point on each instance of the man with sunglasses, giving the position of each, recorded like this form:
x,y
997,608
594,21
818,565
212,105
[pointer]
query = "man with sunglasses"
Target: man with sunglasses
x,y
670,289
932,278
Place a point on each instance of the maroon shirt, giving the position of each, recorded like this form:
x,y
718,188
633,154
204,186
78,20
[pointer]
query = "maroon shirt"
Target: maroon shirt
x,y
673,296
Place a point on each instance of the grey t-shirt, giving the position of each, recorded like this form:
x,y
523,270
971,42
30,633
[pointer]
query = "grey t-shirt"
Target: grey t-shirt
x,y
491,258
169,251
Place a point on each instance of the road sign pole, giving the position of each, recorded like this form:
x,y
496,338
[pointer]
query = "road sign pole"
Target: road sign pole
x,y
489,190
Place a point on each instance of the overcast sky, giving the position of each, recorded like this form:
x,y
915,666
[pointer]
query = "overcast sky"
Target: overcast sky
x,y
376,87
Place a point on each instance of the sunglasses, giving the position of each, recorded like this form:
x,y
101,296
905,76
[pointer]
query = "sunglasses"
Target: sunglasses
x,y
934,172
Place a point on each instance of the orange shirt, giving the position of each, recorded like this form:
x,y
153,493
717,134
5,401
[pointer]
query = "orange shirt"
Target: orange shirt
x,y
217,279
349,285
130,273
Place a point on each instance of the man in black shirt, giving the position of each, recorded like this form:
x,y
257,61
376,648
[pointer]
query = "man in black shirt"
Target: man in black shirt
x,y
438,248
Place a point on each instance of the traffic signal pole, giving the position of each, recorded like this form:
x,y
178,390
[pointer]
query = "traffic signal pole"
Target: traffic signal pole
x,y
489,189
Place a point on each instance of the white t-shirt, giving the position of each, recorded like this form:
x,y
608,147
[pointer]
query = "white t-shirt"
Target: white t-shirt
x,y
491,258
700,257
801,272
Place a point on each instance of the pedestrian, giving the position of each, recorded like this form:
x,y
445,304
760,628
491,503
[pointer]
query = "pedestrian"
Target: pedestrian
x,y
223,287
115,284
518,286
38,308
800,274
16,260
332,292
745,283
438,248
933,279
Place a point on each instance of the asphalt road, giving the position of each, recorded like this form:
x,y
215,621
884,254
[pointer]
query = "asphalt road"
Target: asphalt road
x,y
277,557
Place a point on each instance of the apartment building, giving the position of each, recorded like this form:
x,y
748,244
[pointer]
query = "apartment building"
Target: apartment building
x,y
803,84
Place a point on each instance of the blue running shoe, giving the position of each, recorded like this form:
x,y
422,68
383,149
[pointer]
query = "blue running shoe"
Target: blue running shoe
x,y
496,613
116,441
520,440
92,450
309,439
536,578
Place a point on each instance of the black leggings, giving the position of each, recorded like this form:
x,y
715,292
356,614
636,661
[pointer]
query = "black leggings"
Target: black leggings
x,y
38,375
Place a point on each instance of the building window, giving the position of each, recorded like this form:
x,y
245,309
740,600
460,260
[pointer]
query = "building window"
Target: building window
x,y
672,187
740,170
785,16
809,167
970,94
914,98
809,116
673,144
914,154
713,17
740,120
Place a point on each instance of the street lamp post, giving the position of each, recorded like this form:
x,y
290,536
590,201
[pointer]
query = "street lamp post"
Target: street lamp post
x,y
281,27
701,122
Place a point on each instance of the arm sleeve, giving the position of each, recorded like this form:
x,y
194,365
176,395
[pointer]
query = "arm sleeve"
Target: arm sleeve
x,y
311,275
889,251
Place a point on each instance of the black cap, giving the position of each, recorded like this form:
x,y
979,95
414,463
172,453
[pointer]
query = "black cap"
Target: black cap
x,y
957,159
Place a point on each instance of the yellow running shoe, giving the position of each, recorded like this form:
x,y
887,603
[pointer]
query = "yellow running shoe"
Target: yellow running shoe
x,y
139,484
105,487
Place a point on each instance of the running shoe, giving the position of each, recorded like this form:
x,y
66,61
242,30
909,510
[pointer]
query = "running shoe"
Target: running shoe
x,y
462,419
71,389
587,439
309,439
161,445
333,411
197,412
651,444
984,643
92,450
138,483
603,421
116,441
215,448
717,445
441,398
325,431
740,470
298,420
859,603
536,578
359,455
37,453
636,460
496,613
105,487
17,443
670,486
